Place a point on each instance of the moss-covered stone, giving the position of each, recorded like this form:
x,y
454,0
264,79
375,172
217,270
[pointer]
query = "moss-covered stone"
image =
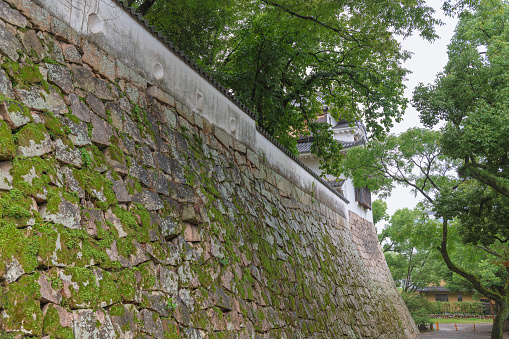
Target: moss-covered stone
x,y
83,287
22,309
52,324
18,251
23,76
97,187
7,147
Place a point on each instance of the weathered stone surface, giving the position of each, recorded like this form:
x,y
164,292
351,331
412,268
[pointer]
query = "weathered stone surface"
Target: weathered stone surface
x,y
60,76
150,326
68,214
116,115
97,106
53,49
71,54
31,148
14,270
91,220
116,222
83,78
157,93
89,324
9,45
99,61
126,73
37,15
149,199
67,155
222,300
12,16
5,85
102,90
38,99
5,176
163,162
192,233
159,182
139,173
48,294
119,188
115,158
146,156
14,114
100,135
32,45
79,109
124,324
63,31
168,280
79,132
132,129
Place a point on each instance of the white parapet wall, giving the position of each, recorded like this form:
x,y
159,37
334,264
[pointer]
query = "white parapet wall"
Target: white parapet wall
x,y
109,26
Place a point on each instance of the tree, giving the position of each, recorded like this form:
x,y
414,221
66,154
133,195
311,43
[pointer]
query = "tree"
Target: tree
x,y
286,59
409,245
379,209
472,97
415,159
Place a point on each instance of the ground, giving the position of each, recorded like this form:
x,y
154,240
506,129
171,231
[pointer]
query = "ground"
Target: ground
x,y
465,331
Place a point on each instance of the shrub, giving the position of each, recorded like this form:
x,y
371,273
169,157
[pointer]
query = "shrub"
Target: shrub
x,y
419,308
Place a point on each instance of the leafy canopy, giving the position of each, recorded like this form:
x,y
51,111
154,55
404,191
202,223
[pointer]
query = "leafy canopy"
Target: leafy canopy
x,y
285,59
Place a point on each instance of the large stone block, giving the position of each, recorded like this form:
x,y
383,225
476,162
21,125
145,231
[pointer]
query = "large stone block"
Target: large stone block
x,y
9,44
39,99
65,213
60,76
33,45
99,61
90,324
14,114
12,16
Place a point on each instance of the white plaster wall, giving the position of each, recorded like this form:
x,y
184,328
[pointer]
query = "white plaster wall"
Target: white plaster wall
x,y
124,39
348,189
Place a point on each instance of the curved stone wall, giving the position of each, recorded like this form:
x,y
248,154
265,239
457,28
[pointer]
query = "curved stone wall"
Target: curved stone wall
x,y
137,204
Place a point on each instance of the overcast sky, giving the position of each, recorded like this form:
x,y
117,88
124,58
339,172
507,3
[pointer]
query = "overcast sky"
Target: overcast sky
x,y
428,59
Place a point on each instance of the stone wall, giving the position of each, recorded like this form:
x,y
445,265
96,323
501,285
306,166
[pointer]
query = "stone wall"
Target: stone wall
x,y
125,212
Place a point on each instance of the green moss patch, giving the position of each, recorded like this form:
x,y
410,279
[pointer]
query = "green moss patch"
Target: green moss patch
x,y
33,175
21,304
35,132
23,76
83,287
97,187
21,245
15,208
7,147
52,325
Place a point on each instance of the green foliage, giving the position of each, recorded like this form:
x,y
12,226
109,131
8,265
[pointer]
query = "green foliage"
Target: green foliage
x,y
7,147
463,308
379,208
418,306
409,243
462,170
285,59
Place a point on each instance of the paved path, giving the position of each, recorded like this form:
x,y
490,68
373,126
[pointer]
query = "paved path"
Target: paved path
x,y
465,331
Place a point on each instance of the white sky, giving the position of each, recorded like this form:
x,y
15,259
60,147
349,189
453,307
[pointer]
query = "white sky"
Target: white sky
x,y
428,60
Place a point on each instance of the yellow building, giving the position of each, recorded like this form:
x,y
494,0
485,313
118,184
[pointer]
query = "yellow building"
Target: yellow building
x,y
440,293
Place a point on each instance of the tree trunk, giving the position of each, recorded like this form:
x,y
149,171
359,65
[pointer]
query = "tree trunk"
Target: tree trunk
x,y
497,332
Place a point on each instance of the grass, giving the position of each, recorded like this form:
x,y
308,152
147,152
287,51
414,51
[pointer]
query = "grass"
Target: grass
x,y
462,321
